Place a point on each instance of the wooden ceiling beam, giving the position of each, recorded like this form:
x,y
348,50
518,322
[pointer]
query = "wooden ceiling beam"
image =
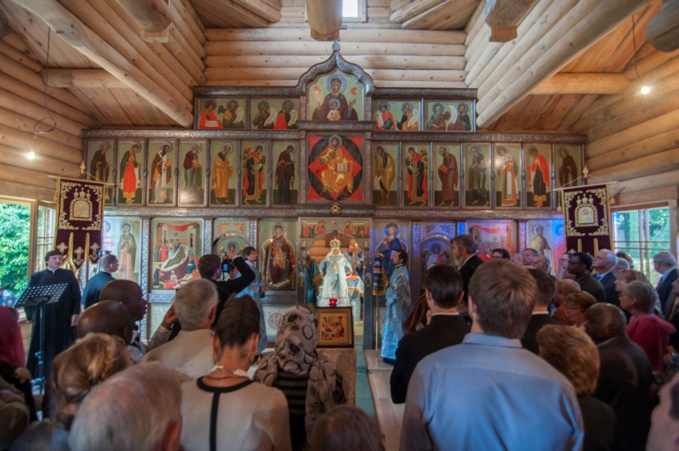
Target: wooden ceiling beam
x,y
325,19
151,17
582,83
4,25
504,16
262,9
662,31
81,78
88,43
577,30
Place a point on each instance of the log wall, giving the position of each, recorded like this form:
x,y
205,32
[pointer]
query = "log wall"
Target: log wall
x,y
22,103
279,55
634,139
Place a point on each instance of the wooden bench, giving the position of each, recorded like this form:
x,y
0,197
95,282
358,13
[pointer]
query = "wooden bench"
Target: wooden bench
x,y
389,415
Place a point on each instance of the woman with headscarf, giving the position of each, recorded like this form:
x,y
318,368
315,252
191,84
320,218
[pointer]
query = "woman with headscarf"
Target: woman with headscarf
x,y
311,385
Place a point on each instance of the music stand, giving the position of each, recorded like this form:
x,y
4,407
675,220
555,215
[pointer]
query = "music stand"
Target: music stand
x,y
39,296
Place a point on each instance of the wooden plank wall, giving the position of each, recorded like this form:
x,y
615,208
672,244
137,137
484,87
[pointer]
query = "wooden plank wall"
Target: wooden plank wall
x,y
22,103
634,139
279,55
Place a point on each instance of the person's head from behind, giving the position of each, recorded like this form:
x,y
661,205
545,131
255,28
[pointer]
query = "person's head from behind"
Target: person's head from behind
x,y
137,409
604,321
237,327
573,354
127,293
108,263
576,304
11,343
501,299
296,339
106,317
345,428
637,297
621,264
195,304
444,287
90,361
564,287
210,266
545,288
500,253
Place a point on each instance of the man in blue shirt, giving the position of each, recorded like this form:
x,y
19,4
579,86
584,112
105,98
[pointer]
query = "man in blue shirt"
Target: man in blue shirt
x,y
488,392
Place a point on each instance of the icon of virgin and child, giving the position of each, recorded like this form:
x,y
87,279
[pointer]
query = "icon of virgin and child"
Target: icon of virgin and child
x,y
335,107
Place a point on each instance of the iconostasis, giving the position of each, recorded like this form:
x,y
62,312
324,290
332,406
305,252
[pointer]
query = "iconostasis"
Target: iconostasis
x,y
287,170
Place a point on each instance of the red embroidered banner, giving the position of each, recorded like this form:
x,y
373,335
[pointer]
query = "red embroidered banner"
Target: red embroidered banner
x,y
80,214
586,218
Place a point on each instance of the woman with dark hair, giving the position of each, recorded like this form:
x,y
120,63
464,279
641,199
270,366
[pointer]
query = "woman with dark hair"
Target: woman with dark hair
x,y
311,385
500,253
647,330
224,409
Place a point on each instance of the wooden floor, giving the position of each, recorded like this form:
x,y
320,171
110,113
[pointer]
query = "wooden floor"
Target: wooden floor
x,y
389,415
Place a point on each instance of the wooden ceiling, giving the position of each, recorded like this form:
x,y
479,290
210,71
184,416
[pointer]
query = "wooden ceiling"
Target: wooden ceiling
x,y
123,81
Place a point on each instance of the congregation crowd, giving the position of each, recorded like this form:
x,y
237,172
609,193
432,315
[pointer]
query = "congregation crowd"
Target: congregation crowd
x,y
498,354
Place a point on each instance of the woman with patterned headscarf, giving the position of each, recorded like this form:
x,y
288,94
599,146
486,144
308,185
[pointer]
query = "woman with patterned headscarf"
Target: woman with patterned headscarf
x,y
311,385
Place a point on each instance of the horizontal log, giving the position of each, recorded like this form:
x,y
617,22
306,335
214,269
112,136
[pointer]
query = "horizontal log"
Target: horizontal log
x,y
656,143
656,163
378,83
85,41
26,124
38,97
647,129
655,107
83,78
652,195
45,194
34,112
15,55
638,184
43,162
373,62
21,140
376,74
214,48
582,83
28,176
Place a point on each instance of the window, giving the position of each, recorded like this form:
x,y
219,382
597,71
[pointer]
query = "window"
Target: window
x,y
353,11
15,235
642,234
44,236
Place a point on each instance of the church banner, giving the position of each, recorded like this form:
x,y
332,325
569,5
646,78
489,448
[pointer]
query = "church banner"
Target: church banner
x,y
80,216
586,218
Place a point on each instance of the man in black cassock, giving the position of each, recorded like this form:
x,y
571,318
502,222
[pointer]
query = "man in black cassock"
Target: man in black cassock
x,y
58,317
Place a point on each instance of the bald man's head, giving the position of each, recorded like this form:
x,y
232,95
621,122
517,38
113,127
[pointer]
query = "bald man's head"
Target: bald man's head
x,y
127,293
106,317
